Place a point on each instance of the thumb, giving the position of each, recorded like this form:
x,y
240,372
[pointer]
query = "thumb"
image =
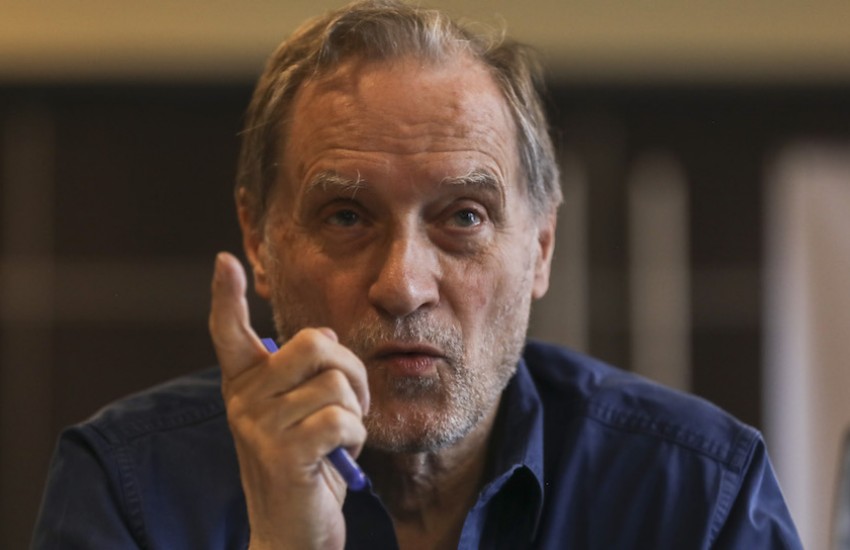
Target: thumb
x,y
236,344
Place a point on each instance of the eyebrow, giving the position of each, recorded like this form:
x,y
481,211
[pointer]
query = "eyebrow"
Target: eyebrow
x,y
474,178
478,179
323,181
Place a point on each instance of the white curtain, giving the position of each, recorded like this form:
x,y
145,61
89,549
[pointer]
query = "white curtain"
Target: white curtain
x,y
659,273
807,375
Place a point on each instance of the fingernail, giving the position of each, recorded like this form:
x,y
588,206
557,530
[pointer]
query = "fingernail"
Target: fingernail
x,y
219,260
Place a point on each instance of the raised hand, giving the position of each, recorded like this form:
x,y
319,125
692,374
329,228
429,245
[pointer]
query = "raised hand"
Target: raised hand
x,y
287,411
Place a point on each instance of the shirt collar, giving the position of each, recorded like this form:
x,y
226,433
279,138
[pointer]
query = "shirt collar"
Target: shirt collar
x,y
517,444
516,464
520,426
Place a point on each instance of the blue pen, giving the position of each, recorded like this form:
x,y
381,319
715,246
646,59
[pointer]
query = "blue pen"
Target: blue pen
x,y
339,457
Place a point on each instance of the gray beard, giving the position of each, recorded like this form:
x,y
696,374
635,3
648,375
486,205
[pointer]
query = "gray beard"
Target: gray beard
x,y
465,390
461,395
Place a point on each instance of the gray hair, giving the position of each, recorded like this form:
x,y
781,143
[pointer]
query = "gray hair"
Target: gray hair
x,y
386,29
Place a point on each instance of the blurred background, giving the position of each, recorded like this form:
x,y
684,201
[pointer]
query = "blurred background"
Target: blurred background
x,y
704,241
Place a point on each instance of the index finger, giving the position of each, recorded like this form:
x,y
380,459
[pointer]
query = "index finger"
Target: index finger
x,y
236,344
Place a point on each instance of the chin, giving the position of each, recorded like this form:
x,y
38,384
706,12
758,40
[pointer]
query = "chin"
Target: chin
x,y
421,431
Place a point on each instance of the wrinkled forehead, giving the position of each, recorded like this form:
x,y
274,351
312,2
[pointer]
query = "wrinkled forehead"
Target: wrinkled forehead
x,y
406,106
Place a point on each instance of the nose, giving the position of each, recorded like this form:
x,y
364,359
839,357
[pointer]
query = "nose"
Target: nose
x,y
408,276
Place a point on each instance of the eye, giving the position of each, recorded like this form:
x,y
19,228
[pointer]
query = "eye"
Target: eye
x,y
466,218
344,218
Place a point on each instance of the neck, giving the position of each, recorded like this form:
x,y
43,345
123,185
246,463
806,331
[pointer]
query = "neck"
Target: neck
x,y
428,494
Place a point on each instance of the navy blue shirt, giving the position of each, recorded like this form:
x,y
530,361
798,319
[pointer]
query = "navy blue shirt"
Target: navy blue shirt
x,y
583,456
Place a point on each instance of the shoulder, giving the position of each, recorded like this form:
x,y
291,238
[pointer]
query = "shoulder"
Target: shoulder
x,y
124,475
613,439
183,402
579,386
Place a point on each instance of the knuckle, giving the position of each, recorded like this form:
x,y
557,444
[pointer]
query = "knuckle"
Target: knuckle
x,y
236,409
308,341
335,381
333,418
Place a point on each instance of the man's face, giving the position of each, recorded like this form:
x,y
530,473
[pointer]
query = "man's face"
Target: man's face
x,y
400,220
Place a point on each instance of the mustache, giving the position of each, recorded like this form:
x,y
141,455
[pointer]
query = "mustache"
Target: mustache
x,y
417,328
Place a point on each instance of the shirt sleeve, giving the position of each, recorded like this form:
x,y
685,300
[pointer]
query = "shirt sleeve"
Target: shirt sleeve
x,y
758,517
83,505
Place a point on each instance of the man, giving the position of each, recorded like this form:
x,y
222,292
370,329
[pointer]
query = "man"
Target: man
x,y
397,194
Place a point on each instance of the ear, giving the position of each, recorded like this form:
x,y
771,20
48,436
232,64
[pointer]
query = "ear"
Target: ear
x,y
546,247
256,248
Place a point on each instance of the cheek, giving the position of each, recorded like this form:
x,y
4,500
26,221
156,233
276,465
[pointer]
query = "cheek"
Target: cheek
x,y
506,286
476,288
299,278
325,293
480,292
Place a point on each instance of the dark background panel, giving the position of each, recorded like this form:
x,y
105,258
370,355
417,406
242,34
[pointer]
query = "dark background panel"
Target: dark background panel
x,y
141,200
146,172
